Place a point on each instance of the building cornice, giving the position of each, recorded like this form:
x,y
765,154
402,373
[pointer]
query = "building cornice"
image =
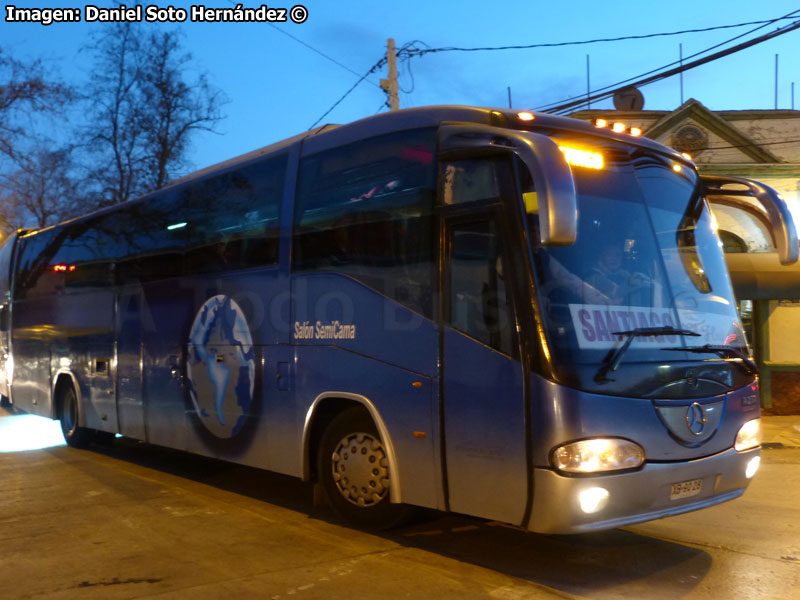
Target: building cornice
x,y
694,110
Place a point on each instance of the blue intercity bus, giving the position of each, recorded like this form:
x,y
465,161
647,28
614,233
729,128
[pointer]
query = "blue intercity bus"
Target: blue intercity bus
x,y
516,316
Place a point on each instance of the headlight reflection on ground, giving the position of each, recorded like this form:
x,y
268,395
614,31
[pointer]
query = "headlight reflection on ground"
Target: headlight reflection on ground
x,y
29,432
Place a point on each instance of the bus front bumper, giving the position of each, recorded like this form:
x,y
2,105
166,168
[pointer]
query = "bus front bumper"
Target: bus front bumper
x,y
657,490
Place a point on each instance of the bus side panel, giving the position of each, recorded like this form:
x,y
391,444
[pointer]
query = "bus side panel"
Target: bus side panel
x,y
207,342
403,400
31,344
70,332
6,270
331,309
352,339
31,384
83,344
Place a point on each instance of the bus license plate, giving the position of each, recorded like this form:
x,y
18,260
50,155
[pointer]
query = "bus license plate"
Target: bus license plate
x,y
685,489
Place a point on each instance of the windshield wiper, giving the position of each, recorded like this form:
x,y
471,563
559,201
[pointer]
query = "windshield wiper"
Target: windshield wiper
x,y
614,358
747,363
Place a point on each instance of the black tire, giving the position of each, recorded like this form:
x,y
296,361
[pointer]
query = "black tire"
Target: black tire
x,y
69,414
364,502
4,401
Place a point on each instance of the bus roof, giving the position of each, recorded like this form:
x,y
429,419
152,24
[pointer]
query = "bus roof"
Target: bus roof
x,y
331,135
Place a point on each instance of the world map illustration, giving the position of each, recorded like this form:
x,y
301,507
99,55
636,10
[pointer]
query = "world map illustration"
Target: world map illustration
x,y
221,366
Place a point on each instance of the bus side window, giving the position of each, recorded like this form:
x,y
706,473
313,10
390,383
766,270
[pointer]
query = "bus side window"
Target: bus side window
x,y
479,297
234,219
83,258
470,181
152,235
365,210
35,276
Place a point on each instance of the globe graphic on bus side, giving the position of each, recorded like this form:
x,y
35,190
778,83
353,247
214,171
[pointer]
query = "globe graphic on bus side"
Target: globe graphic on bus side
x,y
221,367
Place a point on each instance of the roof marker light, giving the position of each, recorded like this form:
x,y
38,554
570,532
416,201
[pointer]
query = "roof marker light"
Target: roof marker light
x,y
686,155
582,158
618,127
636,131
176,226
600,123
525,116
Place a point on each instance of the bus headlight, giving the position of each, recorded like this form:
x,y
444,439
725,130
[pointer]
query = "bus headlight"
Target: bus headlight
x,y
596,456
749,436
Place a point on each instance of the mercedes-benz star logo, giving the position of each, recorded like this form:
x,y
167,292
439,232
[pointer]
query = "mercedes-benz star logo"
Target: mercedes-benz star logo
x,y
695,418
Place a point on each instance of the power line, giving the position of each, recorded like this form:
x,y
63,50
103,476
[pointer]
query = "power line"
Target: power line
x,y
615,86
402,51
669,73
594,41
374,68
310,47
322,54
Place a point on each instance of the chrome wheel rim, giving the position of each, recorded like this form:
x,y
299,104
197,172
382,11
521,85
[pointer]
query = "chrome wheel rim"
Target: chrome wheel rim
x,y
361,469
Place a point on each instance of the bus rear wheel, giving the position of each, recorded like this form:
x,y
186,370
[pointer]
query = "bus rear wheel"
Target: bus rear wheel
x,y
69,414
353,468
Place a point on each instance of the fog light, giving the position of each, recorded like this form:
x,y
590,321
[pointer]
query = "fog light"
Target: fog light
x,y
752,467
749,436
593,499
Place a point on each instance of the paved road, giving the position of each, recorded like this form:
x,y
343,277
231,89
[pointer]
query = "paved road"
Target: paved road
x,y
133,521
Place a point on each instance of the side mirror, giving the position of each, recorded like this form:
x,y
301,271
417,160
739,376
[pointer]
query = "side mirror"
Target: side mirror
x,y
780,216
555,188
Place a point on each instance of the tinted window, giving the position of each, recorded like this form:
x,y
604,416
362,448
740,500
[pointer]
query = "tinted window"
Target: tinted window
x,y
225,222
35,276
365,210
470,181
83,255
154,235
480,304
233,219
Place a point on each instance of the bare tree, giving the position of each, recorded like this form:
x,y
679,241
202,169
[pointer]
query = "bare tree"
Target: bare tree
x,y
144,110
24,92
172,108
42,191
113,133
28,98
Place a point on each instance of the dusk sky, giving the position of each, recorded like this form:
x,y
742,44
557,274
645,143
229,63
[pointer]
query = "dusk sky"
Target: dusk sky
x,y
278,87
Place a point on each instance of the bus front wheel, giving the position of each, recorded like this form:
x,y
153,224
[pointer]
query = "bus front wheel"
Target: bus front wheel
x,y
353,469
75,435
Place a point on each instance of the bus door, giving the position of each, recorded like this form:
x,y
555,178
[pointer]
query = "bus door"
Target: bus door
x,y
482,378
130,358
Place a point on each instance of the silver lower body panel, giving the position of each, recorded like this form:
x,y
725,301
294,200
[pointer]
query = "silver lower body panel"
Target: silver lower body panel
x,y
637,496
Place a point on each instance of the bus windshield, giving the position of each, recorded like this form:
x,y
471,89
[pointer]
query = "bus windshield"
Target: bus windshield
x,y
647,258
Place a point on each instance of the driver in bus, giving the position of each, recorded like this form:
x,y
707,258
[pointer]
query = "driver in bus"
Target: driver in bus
x,y
610,277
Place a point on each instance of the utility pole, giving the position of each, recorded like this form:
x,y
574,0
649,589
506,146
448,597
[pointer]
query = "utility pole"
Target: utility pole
x,y
390,85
